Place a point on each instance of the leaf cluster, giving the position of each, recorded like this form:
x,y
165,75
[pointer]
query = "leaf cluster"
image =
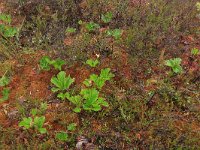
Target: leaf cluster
x,y
106,18
92,63
36,122
116,33
195,51
61,82
91,26
100,80
4,81
88,98
63,136
46,62
174,64
5,28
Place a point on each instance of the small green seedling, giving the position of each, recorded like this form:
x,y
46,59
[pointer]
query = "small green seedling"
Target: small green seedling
x,y
4,80
5,94
43,107
100,80
62,136
36,123
195,51
91,26
92,63
76,100
5,18
92,101
175,65
71,127
58,63
63,96
45,63
5,29
116,33
61,82
70,30
8,31
39,111
34,111
26,123
107,17
80,22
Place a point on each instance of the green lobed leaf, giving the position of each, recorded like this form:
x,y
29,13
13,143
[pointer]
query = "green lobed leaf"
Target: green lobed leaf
x,y
63,96
175,64
5,93
45,63
96,107
99,82
92,63
91,26
87,82
58,63
71,127
4,81
26,122
116,33
34,111
106,74
195,51
10,31
106,18
77,110
5,18
102,102
61,81
39,121
90,96
62,136
42,130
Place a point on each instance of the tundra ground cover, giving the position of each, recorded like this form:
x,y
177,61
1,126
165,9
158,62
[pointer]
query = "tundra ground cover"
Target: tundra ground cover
x,y
100,74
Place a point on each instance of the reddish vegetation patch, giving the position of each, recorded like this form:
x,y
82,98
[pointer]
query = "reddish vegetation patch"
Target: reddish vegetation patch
x,y
3,119
27,82
58,116
80,73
